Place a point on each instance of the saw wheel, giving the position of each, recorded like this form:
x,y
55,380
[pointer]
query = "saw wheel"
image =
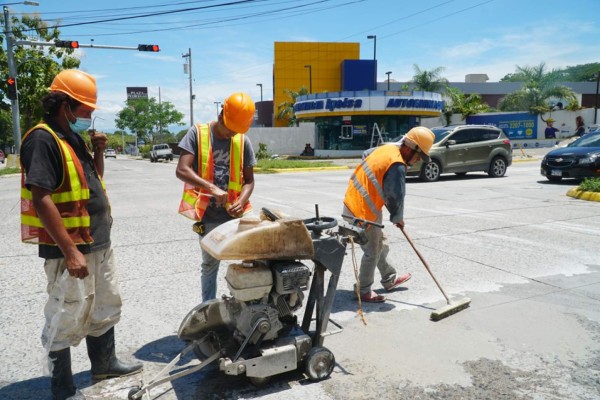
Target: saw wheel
x,y
319,363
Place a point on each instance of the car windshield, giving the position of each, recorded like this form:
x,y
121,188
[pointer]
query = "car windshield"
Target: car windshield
x,y
589,140
440,133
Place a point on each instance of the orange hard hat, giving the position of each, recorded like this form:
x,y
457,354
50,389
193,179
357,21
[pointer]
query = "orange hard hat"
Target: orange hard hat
x,y
77,85
238,112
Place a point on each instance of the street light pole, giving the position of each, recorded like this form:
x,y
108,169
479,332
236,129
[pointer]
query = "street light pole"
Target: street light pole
x,y
94,120
596,105
189,65
260,84
374,37
309,77
388,79
217,103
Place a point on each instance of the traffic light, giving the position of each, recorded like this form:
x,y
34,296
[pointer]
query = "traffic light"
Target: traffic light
x,y
12,87
148,47
69,44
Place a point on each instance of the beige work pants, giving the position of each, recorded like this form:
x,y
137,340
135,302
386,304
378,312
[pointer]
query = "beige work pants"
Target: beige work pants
x,y
91,306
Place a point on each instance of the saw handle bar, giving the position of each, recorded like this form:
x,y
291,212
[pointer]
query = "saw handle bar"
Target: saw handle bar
x,y
356,221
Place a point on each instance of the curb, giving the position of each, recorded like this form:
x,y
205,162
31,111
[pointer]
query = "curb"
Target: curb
x,y
582,195
307,169
526,159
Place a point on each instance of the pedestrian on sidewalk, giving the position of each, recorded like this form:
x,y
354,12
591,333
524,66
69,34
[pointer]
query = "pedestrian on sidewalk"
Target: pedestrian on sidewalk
x,y
380,181
550,132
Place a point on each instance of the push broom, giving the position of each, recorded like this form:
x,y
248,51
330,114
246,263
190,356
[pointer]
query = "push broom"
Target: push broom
x,y
450,308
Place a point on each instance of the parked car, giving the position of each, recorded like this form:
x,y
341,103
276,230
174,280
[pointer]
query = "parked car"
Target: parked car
x,y
161,152
460,149
2,157
579,159
110,153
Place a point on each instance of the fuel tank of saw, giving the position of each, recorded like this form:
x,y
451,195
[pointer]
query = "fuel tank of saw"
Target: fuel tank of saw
x,y
255,239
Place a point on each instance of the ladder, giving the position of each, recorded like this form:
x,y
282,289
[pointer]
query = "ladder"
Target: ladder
x,y
376,131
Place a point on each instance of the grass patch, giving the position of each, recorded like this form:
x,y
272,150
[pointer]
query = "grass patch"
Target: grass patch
x,y
590,185
9,171
266,165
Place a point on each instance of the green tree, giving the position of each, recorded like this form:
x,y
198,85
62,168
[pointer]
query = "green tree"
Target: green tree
x,y
147,118
577,73
36,67
539,88
466,105
285,110
429,81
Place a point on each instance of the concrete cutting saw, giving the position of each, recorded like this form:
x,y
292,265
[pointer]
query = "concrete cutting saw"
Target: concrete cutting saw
x,y
256,331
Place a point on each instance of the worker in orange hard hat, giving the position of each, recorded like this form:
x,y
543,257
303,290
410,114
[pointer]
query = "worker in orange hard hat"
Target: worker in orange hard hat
x,y
377,182
216,164
65,211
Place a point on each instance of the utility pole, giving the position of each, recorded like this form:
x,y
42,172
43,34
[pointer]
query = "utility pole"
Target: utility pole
x,y
159,116
189,71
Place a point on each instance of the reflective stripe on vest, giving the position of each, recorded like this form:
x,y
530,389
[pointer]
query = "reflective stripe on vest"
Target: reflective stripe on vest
x,y
364,196
70,198
193,205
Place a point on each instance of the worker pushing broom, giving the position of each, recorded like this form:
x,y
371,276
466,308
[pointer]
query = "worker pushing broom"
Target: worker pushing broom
x,y
380,180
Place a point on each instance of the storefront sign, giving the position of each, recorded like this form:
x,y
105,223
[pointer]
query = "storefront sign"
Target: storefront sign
x,y
515,125
405,103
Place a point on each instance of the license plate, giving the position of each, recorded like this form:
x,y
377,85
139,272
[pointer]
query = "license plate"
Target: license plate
x,y
556,172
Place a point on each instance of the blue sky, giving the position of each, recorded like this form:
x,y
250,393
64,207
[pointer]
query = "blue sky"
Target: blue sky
x,y
232,45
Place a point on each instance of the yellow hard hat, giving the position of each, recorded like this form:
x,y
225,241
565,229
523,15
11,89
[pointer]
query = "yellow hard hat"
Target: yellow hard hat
x,y
423,139
238,112
77,85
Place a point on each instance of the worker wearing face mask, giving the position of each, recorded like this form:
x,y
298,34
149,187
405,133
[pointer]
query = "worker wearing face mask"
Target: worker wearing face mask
x,y
65,211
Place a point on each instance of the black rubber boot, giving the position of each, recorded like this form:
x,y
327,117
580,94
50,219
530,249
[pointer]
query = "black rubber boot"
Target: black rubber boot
x,y
105,364
62,377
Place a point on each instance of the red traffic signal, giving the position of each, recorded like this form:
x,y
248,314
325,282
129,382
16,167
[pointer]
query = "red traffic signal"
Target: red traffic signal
x,y
69,44
148,47
12,88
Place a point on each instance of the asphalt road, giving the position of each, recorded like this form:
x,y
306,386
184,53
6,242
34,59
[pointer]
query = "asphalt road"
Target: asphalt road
x,y
524,252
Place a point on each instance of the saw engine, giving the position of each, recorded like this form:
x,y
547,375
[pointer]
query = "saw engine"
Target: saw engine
x,y
265,295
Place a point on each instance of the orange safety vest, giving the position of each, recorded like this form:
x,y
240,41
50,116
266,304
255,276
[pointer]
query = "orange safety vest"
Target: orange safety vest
x,y
193,205
364,196
71,198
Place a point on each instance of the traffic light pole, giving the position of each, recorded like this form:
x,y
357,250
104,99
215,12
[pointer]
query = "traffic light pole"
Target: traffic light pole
x,y
91,45
12,71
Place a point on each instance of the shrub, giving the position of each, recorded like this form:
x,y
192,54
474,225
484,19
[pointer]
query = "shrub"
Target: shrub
x,y
590,185
262,152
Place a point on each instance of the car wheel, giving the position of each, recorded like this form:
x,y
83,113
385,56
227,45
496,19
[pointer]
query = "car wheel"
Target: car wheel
x,y
497,167
554,178
431,171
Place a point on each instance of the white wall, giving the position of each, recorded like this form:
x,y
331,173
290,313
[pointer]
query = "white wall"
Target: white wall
x,y
283,141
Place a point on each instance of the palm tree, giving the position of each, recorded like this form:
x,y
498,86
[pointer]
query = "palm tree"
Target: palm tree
x,y
285,110
466,105
540,86
429,81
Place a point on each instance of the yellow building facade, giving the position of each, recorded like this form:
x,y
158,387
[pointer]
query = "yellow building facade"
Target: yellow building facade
x,y
314,66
